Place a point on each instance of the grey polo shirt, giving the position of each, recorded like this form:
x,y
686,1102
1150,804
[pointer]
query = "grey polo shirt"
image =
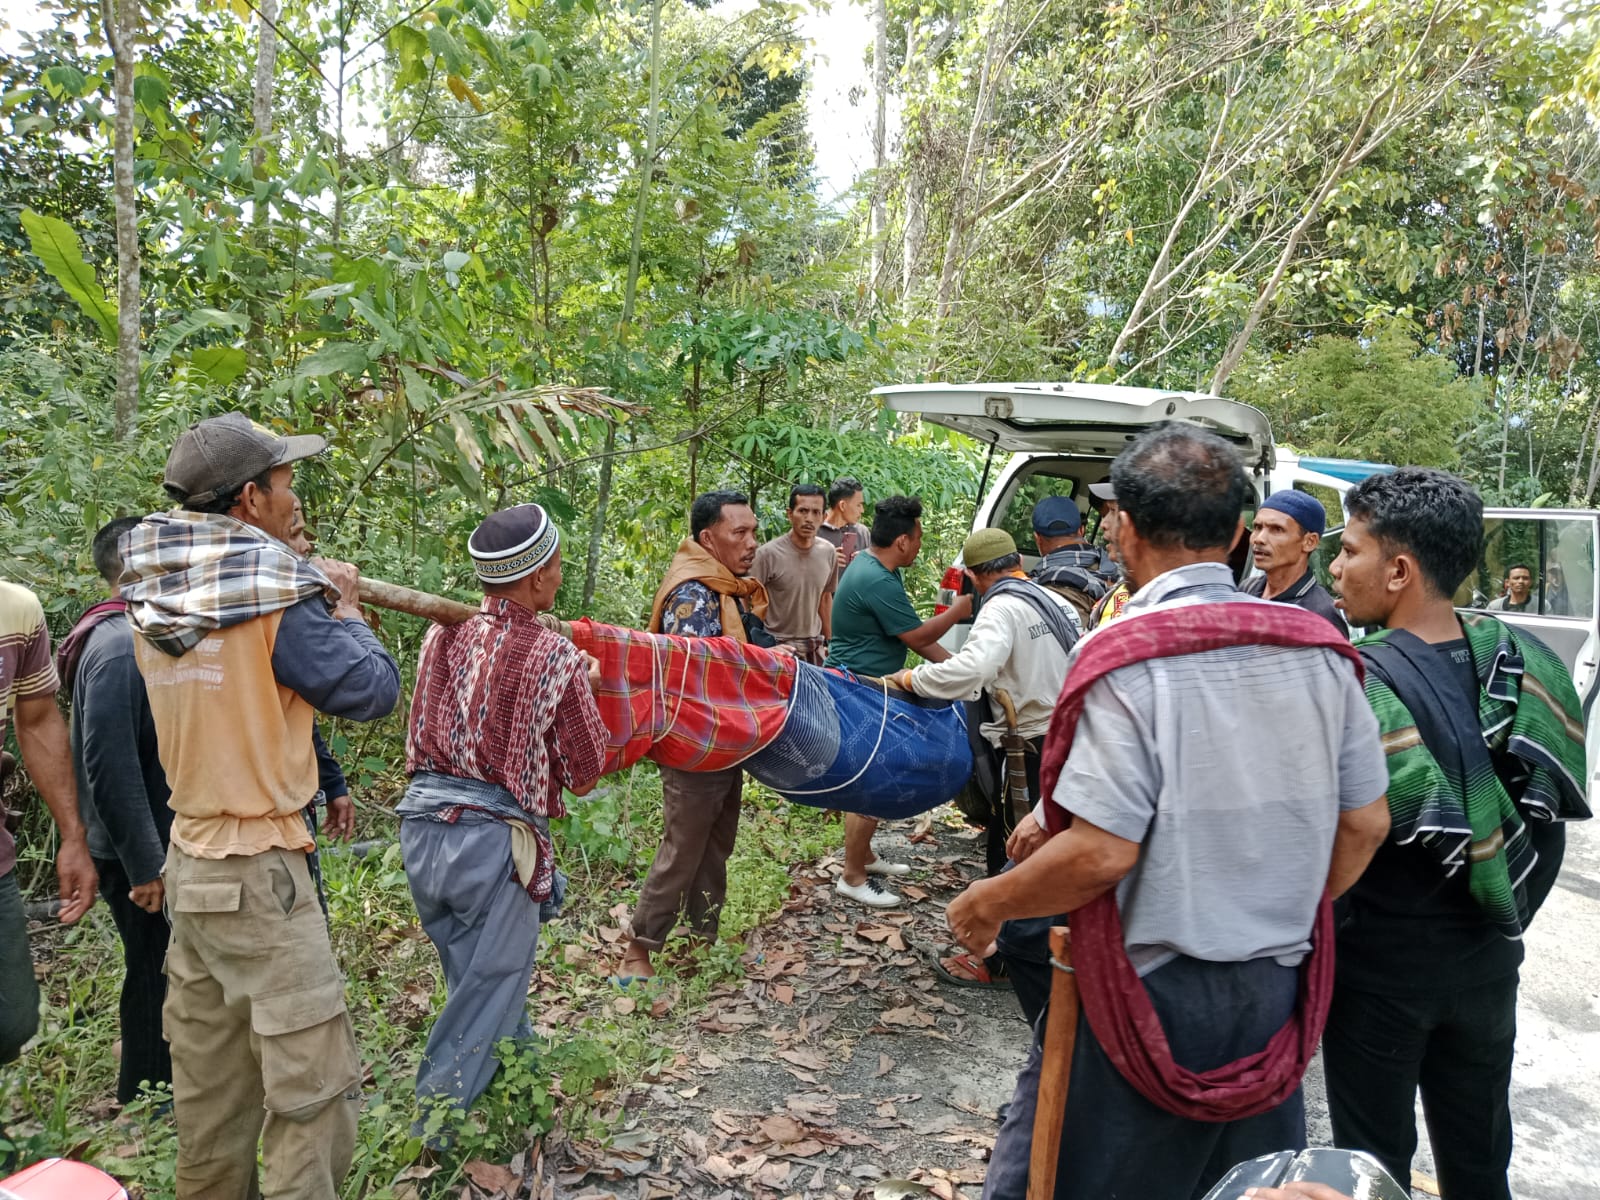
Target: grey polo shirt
x,y
1230,768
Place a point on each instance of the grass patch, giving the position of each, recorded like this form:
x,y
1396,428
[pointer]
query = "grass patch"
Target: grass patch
x,y
594,1044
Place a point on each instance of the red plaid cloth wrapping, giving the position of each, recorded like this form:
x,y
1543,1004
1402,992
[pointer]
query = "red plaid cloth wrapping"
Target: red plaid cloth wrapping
x,y
697,704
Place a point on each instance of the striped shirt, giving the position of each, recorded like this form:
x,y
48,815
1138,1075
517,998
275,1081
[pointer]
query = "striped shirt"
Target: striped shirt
x,y
27,670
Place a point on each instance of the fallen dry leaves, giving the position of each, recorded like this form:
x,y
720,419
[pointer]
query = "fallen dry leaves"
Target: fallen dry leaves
x,y
781,1090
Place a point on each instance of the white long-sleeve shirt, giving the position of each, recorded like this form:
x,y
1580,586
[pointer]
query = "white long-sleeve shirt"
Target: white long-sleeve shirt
x,y
1009,647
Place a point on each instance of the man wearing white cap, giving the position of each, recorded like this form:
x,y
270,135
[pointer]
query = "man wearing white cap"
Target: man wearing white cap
x,y
240,643
502,721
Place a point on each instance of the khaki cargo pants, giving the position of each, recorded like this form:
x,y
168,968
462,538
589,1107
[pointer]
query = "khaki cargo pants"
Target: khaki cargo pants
x,y
262,1048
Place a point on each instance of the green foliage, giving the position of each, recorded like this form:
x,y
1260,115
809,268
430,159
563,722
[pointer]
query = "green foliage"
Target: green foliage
x,y
1380,397
57,247
583,1053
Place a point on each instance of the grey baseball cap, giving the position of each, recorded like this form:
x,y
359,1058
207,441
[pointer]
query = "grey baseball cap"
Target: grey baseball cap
x,y
222,453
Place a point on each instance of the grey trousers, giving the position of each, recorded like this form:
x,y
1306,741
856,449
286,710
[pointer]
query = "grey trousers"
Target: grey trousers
x,y
486,930
699,824
19,991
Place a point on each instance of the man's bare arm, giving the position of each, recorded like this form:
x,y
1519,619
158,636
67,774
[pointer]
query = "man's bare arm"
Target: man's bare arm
x,y
47,753
1065,873
924,639
1361,831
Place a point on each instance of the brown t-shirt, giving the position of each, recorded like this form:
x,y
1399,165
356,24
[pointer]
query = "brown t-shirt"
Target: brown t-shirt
x,y
796,581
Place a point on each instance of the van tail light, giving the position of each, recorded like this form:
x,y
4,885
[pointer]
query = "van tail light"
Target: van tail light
x,y
949,588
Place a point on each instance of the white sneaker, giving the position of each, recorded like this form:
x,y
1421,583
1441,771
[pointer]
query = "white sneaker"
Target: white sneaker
x,y
871,893
882,866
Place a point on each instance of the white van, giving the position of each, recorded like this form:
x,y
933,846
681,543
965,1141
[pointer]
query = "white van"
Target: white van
x,y
1058,438
1055,439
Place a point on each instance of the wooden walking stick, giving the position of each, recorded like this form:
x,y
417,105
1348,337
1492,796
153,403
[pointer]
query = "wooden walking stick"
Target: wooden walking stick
x,y
1055,1069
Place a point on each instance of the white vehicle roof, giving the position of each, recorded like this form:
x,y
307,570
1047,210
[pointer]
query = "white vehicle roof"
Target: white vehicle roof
x,y
1091,419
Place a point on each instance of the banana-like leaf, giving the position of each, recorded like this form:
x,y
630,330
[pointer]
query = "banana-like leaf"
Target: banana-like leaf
x,y
56,246
180,331
223,364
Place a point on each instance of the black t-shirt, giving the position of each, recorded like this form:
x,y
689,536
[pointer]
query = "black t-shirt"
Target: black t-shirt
x,y
1405,928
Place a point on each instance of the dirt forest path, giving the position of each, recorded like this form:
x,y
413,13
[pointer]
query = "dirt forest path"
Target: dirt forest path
x,y
839,1066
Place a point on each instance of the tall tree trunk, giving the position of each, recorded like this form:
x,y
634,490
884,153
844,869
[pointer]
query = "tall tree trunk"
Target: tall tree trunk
x,y
121,19
647,171
261,96
916,214
261,135
880,87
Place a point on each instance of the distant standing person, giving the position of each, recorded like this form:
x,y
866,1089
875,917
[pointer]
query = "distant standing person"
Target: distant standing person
x,y
841,524
1519,591
122,794
799,571
1286,533
1483,735
707,592
874,626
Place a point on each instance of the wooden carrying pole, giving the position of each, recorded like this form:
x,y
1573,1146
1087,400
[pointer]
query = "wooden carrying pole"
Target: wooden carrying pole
x,y
439,609
1055,1069
419,604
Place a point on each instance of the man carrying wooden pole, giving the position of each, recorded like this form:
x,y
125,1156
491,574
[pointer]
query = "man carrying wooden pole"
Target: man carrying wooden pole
x,y
502,721
1212,771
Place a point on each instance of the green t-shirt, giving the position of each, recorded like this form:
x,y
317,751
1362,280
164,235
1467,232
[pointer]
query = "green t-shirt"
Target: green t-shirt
x,y
870,612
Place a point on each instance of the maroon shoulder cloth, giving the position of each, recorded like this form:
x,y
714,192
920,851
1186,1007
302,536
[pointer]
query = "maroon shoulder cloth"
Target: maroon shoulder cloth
x,y
1114,999
72,646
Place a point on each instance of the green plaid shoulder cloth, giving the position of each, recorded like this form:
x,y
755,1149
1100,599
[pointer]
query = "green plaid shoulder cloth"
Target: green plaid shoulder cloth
x,y
1528,709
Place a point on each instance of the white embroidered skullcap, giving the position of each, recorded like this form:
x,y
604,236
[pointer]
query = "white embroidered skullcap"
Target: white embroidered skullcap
x,y
513,543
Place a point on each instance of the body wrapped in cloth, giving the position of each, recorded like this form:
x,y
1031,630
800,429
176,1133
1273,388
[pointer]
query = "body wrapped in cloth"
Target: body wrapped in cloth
x,y
818,737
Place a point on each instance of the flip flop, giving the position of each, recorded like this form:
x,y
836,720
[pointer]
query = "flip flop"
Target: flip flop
x,y
976,972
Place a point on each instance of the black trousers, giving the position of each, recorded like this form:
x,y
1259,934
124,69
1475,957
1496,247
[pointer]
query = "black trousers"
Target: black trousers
x,y
146,1056
1456,1046
1115,1144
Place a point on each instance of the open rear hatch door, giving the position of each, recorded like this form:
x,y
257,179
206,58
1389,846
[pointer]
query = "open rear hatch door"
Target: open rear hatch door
x,y
1095,420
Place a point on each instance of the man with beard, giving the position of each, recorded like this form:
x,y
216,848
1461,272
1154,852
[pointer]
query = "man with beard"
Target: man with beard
x,y
1287,530
1483,733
